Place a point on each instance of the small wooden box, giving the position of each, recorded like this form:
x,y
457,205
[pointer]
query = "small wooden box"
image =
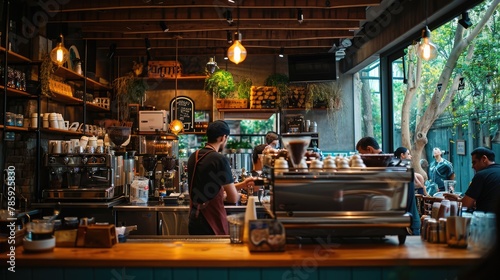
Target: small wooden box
x,y
96,236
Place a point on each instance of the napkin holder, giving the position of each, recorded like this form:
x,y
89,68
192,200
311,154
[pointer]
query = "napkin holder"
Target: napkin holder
x,y
96,236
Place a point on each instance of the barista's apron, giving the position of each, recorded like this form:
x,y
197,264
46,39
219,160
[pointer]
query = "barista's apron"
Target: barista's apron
x,y
214,212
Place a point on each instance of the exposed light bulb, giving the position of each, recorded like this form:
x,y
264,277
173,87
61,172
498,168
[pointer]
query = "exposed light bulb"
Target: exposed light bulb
x,y
59,54
426,49
237,53
176,126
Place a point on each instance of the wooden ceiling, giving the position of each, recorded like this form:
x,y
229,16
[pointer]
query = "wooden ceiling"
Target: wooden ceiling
x,y
201,26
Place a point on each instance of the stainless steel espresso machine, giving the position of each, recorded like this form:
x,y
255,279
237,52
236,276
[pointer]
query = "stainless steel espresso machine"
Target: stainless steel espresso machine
x,y
84,177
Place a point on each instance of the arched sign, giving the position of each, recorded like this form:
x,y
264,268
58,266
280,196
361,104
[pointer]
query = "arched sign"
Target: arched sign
x,y
182,109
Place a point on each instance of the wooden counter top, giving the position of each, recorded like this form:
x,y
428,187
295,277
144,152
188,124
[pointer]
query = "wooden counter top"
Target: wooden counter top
x,y
210,255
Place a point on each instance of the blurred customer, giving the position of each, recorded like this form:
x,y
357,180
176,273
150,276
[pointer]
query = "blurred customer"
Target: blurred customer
x,y
211,183
368,145
484,190
272,142
440,169
403,154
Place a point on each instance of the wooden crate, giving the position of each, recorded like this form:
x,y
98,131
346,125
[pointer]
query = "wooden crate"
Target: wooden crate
x,y
229,103
263,97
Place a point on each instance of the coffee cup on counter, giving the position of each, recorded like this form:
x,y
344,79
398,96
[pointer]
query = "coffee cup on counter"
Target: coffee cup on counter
x,y
39,236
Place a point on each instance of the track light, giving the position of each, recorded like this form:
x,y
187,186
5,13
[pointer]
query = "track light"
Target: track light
x,y
282,52
229,17
426,49
300,15
229,37
148,44
465,20
163,26
225,54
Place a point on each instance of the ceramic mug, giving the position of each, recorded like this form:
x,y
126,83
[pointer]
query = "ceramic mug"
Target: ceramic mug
x,y
75,143
67,147
74,126
55,146
83,141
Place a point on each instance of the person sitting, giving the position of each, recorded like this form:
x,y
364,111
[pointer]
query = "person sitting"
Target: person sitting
x,y
368,145
484,189
272,142
404,156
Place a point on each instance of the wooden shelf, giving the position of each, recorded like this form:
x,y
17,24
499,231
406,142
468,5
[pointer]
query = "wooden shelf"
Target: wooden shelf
x,y
12,92
13,128
178,78
71,75
61,131
14,57
246,114
70,100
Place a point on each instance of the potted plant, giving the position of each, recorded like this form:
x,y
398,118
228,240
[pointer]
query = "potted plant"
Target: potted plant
x,y
280,81
220,84
327,94
129,89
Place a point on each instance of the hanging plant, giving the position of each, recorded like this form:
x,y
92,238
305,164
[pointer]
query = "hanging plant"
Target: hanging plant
x,y
220,84
329,93
129,89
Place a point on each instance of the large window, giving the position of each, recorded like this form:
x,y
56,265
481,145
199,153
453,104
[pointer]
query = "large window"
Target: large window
x,y
368,81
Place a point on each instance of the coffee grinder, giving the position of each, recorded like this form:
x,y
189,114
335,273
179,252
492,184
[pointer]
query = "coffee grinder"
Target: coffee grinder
x,y
149,163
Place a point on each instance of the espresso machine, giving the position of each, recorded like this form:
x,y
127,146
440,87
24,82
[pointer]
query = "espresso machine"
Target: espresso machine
x,y
83,176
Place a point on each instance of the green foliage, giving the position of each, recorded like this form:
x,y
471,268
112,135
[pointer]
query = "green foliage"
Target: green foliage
x,y
257,127
220,84
280,81
243,87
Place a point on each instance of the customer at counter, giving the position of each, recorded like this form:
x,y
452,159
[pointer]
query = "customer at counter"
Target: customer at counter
x,y
272,141
211,183
484,190
403,154
368,145
440,169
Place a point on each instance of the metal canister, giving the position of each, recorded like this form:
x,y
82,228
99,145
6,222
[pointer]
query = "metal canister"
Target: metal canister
x,y
442,230
423,230
432,231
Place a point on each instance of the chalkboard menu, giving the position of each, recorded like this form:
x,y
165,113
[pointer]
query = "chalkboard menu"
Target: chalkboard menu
x,y
185,112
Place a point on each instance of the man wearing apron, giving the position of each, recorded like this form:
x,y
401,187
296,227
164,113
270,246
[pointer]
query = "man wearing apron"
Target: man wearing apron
x,y
211,183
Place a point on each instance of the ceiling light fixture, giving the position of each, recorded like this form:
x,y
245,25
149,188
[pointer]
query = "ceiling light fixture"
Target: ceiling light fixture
x,y
465,20
148,43
426,49
163,26
237,52
59,55
282,52
176,126
229,37
300,15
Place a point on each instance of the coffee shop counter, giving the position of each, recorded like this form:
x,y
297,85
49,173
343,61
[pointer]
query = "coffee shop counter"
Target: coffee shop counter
x,y
218,259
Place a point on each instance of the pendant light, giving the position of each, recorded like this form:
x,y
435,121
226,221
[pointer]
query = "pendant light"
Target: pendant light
x,y
59,55
176,126
426,49
237,52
